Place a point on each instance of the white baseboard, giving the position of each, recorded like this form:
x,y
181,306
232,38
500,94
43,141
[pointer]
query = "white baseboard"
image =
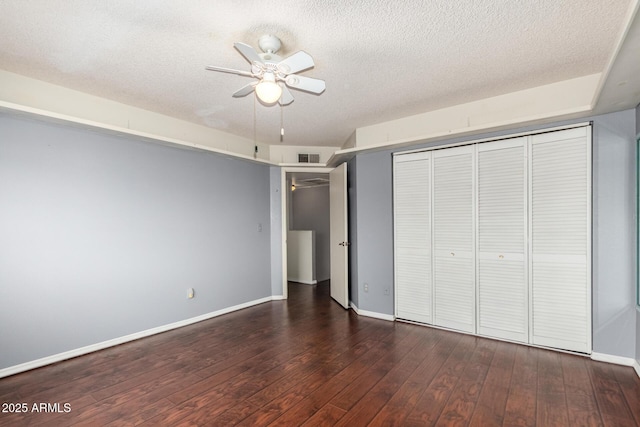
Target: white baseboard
x,y
12,370
617,360
373,314
305,282
609,358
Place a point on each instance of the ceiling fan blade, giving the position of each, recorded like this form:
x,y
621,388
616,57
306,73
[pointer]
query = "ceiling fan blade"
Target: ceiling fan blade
x,y
229,70
248,52
307,84
245,90
286,98
295,63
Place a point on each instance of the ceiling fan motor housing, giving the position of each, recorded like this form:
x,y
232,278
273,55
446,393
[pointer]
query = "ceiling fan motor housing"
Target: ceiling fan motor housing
x,y
269,43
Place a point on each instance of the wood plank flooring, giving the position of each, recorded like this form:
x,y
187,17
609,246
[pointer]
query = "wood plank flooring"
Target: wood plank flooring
x,y
307,361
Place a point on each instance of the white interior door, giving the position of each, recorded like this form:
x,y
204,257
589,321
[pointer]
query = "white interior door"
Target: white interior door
x,y
501,268
560,271
339,235
453,231
412,230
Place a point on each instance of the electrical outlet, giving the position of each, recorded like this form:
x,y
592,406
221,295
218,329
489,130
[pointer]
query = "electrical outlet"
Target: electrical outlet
x,y
366,287
259,227
386,291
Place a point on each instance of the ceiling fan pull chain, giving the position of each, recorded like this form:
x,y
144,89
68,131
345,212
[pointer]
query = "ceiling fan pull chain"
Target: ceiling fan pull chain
x,y
281,123
255,141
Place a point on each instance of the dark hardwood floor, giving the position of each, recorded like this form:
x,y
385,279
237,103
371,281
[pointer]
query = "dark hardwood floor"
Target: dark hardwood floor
x,y
307,361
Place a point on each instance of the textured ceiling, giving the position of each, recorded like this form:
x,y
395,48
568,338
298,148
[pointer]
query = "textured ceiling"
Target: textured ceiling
x,y
381,60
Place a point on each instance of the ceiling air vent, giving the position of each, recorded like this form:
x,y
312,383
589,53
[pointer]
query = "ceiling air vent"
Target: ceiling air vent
x,y
308,158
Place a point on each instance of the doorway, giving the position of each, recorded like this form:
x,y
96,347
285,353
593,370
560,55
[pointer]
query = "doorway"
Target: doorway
x,y
338,244
309,182
308,227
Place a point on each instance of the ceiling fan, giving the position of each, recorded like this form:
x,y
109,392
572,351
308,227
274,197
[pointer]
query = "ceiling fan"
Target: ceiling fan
x,y
275,75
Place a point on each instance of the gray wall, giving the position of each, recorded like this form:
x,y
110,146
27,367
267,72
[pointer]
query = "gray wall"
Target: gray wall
x,y
310,211
614,230
374,233
614,234
101,235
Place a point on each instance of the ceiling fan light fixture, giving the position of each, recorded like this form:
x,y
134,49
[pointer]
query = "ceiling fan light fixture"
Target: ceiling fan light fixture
x,y
275,75
268,91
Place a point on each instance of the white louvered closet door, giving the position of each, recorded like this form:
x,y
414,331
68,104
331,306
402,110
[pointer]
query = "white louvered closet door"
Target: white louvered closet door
x,y
503,308
453,232
412,223
560,241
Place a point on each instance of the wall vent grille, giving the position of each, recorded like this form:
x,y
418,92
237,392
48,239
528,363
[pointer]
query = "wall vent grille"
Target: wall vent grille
x,y
308,158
